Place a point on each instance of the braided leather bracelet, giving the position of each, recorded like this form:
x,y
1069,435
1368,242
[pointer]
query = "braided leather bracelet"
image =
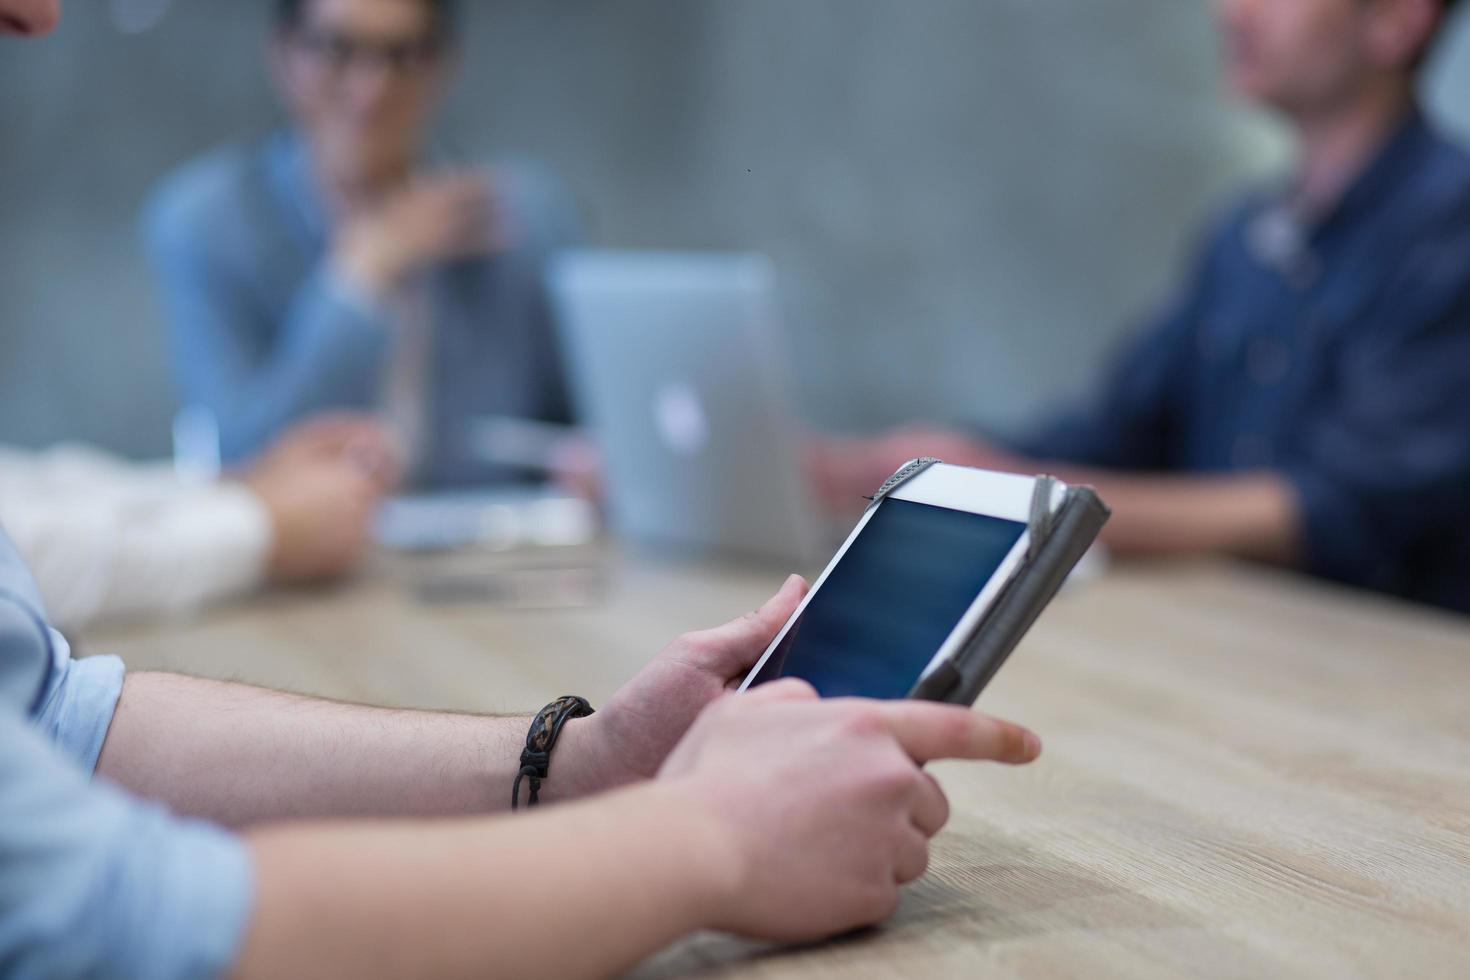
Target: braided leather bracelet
x,y
536,757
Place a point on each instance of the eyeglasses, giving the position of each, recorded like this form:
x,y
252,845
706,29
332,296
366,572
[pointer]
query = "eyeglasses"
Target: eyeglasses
x,y
342,52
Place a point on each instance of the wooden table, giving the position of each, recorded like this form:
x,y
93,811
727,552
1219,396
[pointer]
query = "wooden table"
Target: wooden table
x,y
1246,775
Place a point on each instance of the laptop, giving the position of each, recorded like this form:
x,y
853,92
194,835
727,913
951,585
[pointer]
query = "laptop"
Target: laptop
x,y
677,366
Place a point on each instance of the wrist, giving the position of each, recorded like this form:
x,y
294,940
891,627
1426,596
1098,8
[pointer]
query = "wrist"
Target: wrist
x,y
276,554
582,763
367,265
705,848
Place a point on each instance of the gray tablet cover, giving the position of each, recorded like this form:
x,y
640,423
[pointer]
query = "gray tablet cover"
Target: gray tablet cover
x,y
1059,539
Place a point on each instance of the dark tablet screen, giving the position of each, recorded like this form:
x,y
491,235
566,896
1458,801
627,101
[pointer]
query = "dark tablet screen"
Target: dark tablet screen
x,y
892,600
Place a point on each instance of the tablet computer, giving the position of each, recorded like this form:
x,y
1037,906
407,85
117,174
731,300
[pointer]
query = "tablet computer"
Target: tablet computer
x,y
943,575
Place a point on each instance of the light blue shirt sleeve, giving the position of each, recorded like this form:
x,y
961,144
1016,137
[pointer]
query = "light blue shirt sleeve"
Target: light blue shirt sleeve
x,y
94,883
77,706
255,373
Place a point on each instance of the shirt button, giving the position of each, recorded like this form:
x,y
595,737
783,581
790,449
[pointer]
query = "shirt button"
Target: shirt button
x,y
1267,362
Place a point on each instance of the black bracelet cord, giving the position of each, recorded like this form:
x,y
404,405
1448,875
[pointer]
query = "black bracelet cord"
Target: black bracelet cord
x,y
540,740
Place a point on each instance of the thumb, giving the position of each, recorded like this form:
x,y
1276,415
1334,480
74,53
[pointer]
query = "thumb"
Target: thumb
x,y
736,646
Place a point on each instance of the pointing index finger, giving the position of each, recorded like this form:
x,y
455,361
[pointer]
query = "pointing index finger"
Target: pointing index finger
x,y
928,732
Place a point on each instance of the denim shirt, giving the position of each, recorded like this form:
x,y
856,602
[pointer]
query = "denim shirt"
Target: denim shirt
x,y
264,333
95,883
1335,353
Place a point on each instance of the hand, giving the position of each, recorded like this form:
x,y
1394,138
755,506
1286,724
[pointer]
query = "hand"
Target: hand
x,y
321,484
333,436
576,467
822,807
844,471
432,220
629,738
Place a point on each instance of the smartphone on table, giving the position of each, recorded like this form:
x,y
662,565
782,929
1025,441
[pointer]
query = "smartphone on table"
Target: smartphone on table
x,y
935,586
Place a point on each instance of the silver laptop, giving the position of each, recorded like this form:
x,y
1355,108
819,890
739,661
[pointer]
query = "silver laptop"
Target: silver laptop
x,y
677,364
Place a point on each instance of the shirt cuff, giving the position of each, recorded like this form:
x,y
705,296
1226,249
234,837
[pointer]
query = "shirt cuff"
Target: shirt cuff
x,y
1337,534
79,706
240,533
352,298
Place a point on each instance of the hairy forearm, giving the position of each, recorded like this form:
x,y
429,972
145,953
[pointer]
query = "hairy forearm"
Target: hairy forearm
x,y
576,891
1252,516
241,755
1246,515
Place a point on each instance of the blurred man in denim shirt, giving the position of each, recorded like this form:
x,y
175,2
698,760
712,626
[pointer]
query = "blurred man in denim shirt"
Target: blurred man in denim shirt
x,y
341,265
1302,400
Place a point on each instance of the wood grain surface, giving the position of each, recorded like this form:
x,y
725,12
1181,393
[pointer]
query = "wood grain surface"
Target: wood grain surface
x,y
1246,774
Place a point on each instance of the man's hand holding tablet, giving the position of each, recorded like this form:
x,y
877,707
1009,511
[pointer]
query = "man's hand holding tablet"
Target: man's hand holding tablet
x,y
820,809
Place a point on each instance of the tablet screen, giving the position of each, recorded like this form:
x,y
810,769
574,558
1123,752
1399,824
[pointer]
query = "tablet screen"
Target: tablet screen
x,y
892,600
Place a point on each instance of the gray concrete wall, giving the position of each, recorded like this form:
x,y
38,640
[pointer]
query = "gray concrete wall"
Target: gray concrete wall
x,y
968,199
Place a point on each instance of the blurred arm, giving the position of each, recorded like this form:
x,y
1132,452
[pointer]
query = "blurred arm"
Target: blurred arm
x,y
1129,422
1256,516
1128,425
105,538
257,376
1380,468
1125,439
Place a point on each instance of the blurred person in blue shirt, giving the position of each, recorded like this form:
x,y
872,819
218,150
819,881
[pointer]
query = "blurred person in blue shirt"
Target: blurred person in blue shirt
x,y
339,264
1302,399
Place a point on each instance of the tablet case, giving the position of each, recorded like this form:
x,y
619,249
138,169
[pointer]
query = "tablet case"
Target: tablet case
x,y
1059,539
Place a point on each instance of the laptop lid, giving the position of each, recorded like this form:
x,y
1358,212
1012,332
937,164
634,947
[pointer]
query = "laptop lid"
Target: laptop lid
x,y
676,362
